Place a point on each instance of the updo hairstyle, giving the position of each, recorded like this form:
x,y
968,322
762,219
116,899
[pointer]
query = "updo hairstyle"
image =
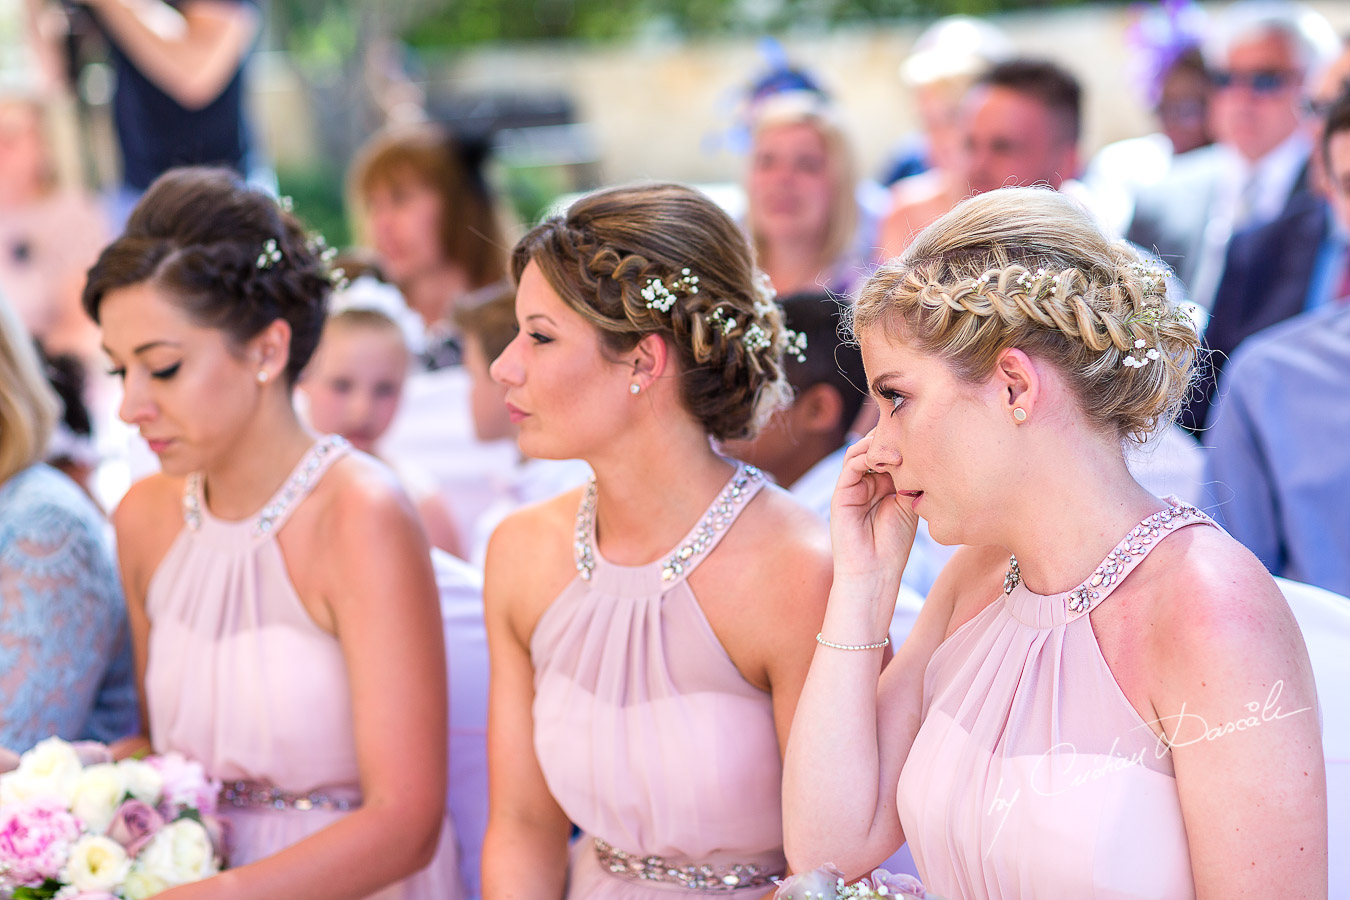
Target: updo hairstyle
x,y
1029,268
610,245
200,235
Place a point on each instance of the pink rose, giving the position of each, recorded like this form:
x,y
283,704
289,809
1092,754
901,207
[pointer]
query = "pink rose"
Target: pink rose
x,y
185,785
897,884
134,824
35,840
822,882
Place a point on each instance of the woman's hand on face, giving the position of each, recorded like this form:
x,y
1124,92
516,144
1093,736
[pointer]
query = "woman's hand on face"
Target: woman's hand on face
x,y
872,528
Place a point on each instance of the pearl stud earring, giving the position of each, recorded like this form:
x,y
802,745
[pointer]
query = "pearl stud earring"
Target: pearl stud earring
x,y
262,376
635,388
1019,414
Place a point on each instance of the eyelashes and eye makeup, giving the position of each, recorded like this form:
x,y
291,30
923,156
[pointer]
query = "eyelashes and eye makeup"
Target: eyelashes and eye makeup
x,y
540,338
891,396
163,374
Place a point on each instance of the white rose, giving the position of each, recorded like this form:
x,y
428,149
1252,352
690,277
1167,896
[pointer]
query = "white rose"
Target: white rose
x,y
141,884
96,863
143,781
98,793
180,853
49,772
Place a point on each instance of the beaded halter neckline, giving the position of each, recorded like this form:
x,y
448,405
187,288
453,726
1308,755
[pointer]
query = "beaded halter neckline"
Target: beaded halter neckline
x,y
311,466
1134,545
695,544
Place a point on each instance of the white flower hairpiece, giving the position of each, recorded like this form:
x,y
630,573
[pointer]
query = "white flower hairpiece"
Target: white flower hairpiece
x,y
796,345
661,296
755,338
721,318
270,255
1143,359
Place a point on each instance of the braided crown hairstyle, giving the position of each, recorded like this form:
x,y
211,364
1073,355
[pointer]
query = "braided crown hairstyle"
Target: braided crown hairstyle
x,y
198,233
602,254
1029,268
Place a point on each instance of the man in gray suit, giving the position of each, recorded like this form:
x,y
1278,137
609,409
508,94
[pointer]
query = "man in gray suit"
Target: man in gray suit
x,y
1260,55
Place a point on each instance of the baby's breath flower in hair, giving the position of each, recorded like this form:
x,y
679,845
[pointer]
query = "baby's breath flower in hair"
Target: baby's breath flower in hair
x,y
270,255
755,338
661,296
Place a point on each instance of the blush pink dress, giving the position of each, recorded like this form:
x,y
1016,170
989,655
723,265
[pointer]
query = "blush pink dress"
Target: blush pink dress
x,y
1032,775
241,679
649,737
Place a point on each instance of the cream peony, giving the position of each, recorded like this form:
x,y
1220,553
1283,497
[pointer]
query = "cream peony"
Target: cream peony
x,y
48,772
141,884
143,781
180,853
98,793
96,863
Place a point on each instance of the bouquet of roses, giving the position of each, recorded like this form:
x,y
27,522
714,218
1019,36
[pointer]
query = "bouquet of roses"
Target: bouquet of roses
x,y
98,830
828,883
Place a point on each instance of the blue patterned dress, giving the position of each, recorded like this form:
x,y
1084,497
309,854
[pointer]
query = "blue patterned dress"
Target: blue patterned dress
x,y
65,651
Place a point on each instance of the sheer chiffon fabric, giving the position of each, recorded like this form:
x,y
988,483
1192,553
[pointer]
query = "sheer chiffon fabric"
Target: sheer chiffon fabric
x,y
648,736
1032,774
241,679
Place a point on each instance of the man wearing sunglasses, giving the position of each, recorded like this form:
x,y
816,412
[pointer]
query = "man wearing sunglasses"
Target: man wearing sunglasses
x,y
1299,261
1259,56
1279,467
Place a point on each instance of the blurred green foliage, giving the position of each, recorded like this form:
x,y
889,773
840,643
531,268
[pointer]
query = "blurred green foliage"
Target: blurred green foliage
x,y
465,22
317,195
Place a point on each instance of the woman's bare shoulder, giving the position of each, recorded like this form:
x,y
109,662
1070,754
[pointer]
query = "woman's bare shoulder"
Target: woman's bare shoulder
x,y
1201,587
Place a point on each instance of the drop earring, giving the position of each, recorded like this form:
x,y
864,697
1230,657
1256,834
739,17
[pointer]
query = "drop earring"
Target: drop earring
x,y
1019,414
635,388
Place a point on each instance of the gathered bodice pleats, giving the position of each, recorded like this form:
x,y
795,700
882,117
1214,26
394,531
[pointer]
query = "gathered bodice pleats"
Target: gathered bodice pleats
x,y
648,735
1032,775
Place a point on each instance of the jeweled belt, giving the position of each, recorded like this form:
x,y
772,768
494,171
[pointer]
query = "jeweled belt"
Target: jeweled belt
x,y
697,877
256,795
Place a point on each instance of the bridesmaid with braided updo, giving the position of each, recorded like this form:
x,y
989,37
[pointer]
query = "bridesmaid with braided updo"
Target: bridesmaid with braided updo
x,y
285,618
1104,696
649,634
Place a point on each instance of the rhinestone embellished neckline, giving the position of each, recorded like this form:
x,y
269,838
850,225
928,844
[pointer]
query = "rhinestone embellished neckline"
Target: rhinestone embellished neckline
x,y
718,516
1112,569
297,485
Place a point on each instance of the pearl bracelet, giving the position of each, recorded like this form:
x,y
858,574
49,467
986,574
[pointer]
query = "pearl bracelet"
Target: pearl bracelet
x,y
877,646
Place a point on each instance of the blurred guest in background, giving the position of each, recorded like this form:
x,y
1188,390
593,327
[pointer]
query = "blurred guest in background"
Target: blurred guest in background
x,y
1260,54
49,235
801,189
71,450
354,385
1164,43
1274,271
487,327
65,651
1022,121
179,72
423,204
941,67
1279,470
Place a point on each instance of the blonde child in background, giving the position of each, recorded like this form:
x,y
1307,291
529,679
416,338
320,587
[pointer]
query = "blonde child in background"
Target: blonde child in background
x,y
355,382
